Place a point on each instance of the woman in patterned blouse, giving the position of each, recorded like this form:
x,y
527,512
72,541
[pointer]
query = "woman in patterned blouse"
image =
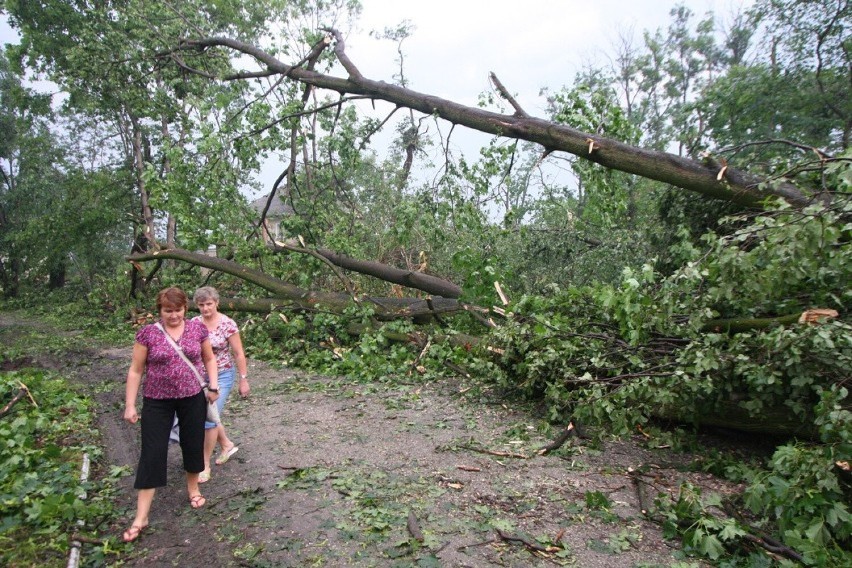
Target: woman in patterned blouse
x,y
170,389
225,340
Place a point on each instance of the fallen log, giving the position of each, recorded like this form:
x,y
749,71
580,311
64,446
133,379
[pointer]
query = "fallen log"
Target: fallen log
x,y
409,278
778,422
739,325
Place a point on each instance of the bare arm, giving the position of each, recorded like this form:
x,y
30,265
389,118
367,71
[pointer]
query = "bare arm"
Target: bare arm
x,y
134,380
212,369
240,359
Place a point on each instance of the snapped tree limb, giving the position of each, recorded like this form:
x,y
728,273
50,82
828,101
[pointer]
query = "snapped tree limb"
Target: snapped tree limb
x,y
410,278
286,294
736,185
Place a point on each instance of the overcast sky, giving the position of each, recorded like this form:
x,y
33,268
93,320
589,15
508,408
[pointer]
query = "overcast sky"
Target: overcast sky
x,y
528,44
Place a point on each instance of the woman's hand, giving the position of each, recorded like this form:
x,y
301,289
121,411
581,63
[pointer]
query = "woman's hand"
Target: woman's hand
x,y
212,396
130,414
245,389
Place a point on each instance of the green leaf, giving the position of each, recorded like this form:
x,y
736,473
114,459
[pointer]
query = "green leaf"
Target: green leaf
x,y
711,547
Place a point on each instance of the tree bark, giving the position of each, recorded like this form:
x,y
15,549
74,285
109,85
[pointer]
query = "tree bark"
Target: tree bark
x,y
738,325
287,294
778,421
389,308
139,169
411,279
705,178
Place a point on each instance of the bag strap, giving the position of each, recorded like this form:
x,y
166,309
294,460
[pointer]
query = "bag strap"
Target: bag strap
x,y
181,354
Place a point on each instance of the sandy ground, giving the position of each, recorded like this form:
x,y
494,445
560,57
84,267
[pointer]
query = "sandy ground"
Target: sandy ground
x,y
334,473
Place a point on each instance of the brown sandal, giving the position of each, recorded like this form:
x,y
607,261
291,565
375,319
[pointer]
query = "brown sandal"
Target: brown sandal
x,y
133,533
197,501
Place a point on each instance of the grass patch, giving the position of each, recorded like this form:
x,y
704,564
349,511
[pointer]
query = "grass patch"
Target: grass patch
x,y
43,438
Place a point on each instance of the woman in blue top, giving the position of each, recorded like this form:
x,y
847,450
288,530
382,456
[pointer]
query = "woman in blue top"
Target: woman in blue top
x,y
225,339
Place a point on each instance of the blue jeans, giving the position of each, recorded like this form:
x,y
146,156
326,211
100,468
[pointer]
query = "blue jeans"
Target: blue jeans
x,y
226,383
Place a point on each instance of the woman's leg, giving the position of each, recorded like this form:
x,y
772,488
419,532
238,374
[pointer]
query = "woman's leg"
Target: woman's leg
x,y
210,437
144,499
196,500
217,433
224,442
157,418
191,414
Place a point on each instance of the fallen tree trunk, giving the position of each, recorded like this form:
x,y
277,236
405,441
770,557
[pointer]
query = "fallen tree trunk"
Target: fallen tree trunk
x,y
739,325
409,278
777,422
774,421
306,298
288,295
390,308
707,178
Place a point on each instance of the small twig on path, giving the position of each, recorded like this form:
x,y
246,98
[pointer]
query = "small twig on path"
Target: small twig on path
x,y
636,477
773,546
457,369
759,538
483,543
13,402
559,441
417,359
495,452
86,539
528,543
235,494
21,393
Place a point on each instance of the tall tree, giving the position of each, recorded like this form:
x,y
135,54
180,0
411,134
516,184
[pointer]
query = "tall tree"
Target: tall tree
x,y
183,176
30,179
55,214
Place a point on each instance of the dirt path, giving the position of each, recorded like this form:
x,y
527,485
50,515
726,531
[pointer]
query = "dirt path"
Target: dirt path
x,y
332,473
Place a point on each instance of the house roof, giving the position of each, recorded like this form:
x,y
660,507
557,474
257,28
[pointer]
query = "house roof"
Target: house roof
x,y
278,207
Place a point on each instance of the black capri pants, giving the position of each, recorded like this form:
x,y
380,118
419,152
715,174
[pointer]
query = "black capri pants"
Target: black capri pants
x,y
157,418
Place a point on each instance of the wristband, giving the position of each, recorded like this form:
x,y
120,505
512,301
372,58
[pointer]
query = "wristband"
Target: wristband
x,y
213,390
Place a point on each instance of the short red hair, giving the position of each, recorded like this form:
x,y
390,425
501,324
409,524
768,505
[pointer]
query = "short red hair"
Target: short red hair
x,y
172,297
